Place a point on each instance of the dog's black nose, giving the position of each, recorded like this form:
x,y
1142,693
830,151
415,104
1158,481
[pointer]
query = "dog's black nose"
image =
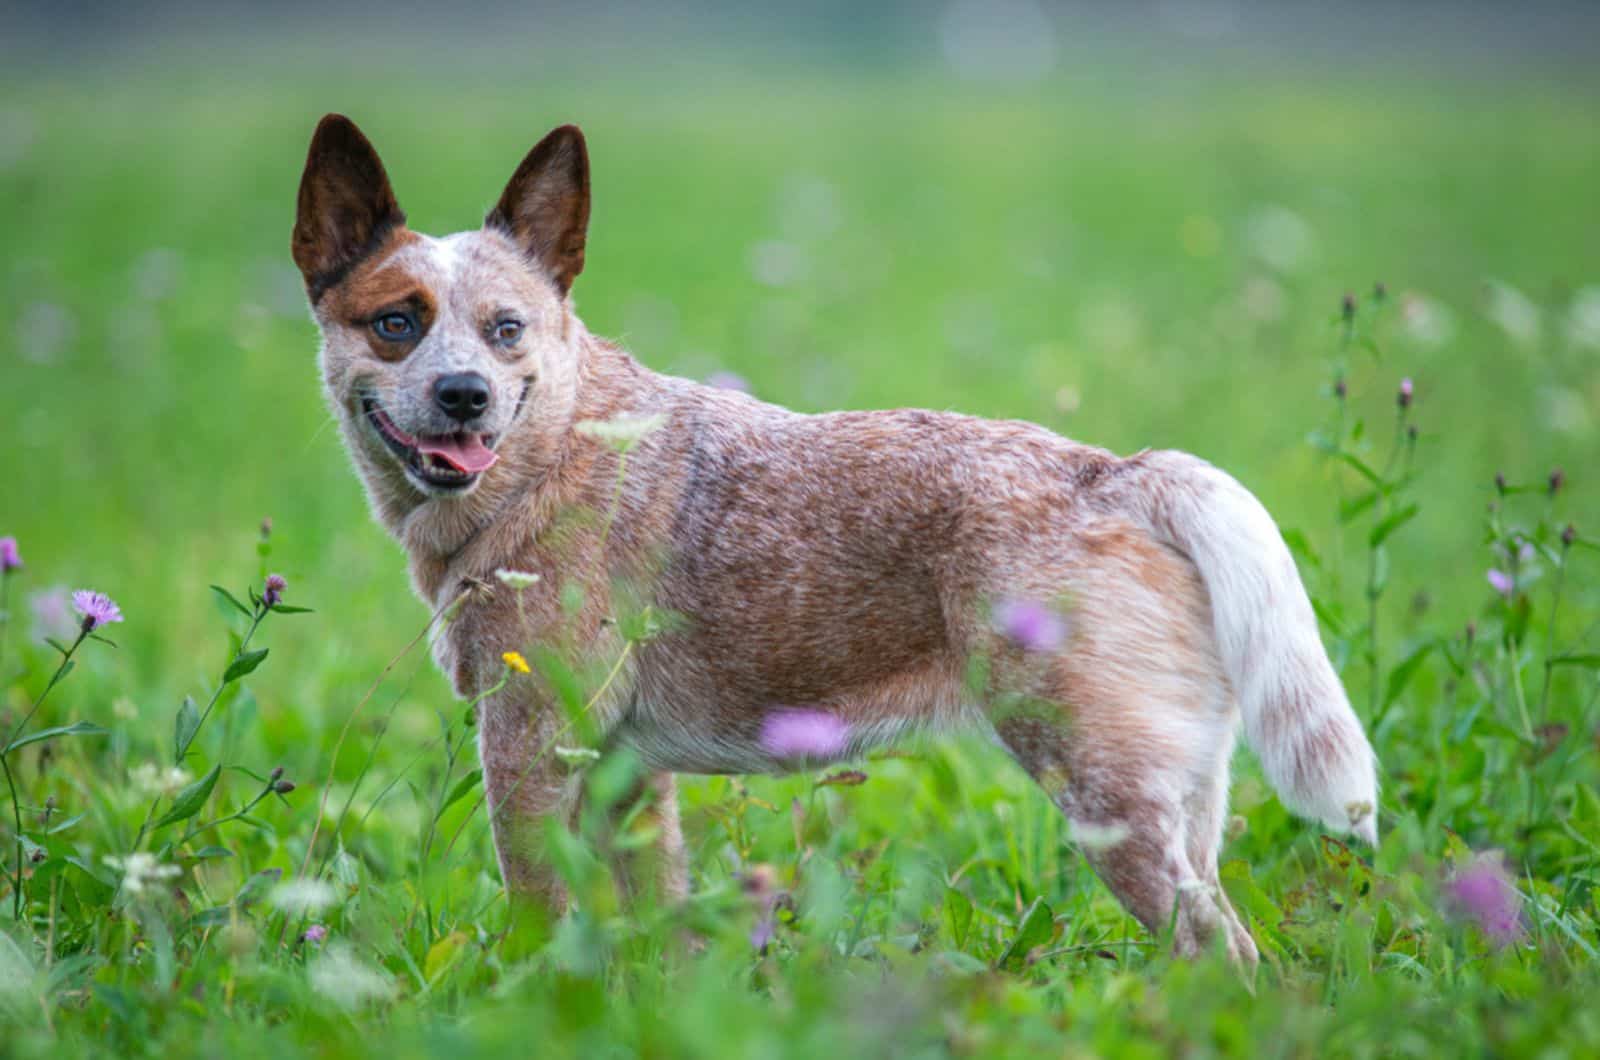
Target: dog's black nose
x,y
462,395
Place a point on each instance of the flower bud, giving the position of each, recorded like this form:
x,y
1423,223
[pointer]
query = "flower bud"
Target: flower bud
x,y
1347,307
272,590
1568,536
1499,483
1340,389
277,772
283,787
1380,291
1404,396
1558,478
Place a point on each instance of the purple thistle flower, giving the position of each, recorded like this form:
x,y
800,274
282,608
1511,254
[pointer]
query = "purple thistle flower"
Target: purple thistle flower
x,y
97,609
1406,390
1501,582
1483,893
316,933
272,591
803,734
1030,625
728,381
10,558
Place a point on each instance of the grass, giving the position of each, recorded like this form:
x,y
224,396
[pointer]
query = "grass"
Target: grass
x,y
1135,262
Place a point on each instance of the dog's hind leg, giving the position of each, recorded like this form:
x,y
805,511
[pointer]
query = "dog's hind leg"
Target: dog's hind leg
x,y
1125,804
1127,727
1205,814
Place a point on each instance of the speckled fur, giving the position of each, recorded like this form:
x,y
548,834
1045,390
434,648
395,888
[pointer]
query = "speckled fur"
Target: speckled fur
x,y
841,562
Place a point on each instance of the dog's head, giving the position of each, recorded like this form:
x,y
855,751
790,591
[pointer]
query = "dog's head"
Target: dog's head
x,y
434,350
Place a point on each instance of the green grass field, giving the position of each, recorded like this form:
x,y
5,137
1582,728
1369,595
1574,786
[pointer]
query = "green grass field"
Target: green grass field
x,y
1133,260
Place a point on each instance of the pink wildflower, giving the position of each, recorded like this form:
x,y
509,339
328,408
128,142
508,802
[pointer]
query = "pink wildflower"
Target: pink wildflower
x,y
97,609
1030,625
803,734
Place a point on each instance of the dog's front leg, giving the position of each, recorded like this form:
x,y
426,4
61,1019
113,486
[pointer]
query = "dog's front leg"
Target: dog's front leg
x,y
525,784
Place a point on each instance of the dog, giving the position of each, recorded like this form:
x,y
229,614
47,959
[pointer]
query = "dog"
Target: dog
x,y
843,569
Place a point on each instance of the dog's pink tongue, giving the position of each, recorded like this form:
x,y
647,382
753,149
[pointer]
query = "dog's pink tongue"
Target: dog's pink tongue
x,y
465,452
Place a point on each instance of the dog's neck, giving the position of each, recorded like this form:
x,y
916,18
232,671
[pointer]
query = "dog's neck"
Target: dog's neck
x,y
543,466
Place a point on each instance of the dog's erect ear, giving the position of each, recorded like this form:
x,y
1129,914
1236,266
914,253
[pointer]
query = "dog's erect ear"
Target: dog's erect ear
x,y
346,209
545,207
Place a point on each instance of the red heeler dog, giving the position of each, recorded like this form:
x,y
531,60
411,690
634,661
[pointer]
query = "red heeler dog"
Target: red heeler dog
x,y
842,570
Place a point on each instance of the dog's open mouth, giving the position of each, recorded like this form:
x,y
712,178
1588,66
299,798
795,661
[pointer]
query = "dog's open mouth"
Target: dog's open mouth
x,y
444,461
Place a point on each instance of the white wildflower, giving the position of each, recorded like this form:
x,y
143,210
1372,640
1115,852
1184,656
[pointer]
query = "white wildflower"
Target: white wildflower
x,y
574,756
337,975
151,779
516,579
303,896
1092,836
140,870
624,432
1583,318
1517,314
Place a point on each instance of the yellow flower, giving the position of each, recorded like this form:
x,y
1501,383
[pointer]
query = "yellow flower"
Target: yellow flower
x,y
515,660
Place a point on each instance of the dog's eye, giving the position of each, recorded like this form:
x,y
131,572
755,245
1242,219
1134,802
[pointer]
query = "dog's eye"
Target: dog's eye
x,y
395,327
507,331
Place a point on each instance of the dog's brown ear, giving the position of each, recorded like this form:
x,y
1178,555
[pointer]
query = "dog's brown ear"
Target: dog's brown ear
x,y
347,208
545,207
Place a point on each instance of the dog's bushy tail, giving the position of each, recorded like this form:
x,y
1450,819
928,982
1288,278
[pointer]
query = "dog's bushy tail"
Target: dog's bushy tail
x,y
1296,714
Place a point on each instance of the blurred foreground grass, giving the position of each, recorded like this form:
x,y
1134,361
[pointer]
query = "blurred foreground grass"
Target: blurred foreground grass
x,y
1134,261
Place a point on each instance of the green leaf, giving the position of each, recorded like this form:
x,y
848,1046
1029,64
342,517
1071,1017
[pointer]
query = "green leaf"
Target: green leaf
x,y
1036,929
187,724
1356,462
62,826
57,645
1350,509
1401,675
1380,573
229,598
1301,546
442,954
464,785
191,799
958,911
80,728
1587,660
289,609
244,664
211,852
1392,522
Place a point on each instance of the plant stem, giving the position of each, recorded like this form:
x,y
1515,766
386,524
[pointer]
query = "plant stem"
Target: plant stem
x,y
255,623
5,612
55,678
1550,635
16,814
